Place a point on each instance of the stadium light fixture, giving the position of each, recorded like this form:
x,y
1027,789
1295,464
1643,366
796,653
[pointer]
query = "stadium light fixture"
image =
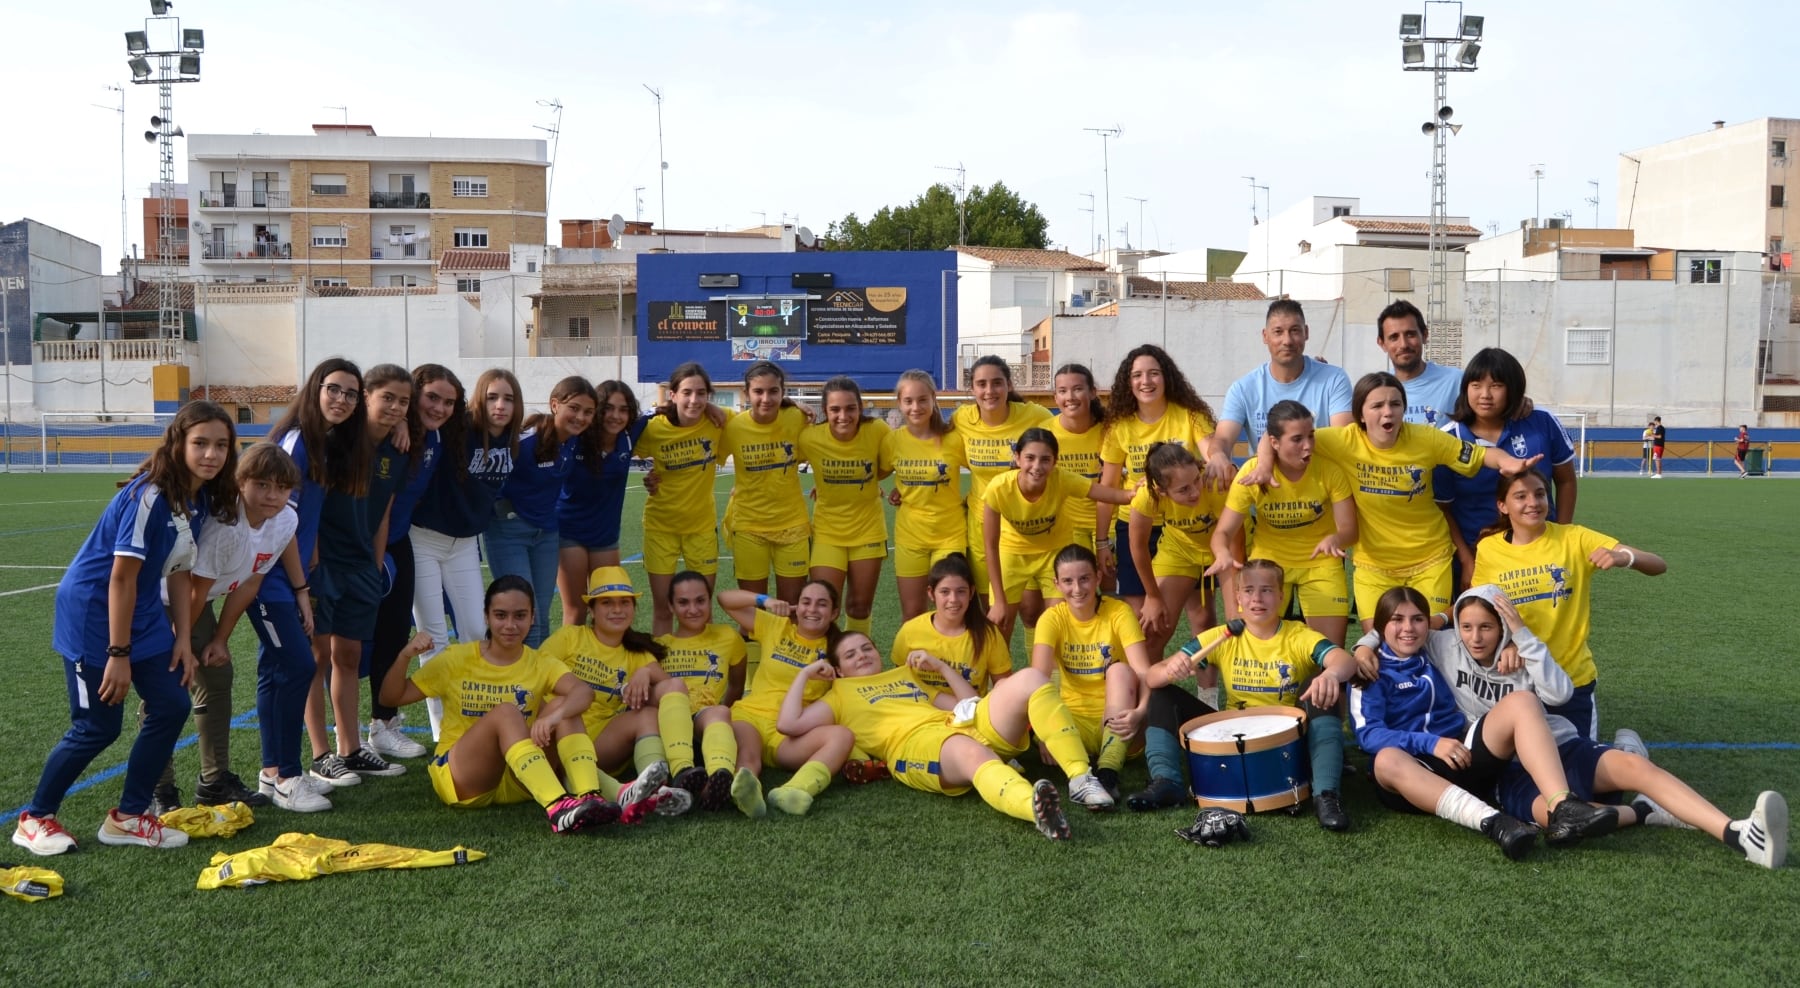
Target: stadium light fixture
x,y
140,68
137,42
1471,26
193,39
1412,53
160,7
1411,25
1467,54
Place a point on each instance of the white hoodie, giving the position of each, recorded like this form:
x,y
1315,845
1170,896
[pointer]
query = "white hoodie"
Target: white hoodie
x,y
1478,687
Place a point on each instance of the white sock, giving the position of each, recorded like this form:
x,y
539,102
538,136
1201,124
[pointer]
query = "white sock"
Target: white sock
x,y
1459,805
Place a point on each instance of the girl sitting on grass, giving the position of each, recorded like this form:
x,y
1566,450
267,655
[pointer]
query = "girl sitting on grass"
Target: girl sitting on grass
x,y
709,659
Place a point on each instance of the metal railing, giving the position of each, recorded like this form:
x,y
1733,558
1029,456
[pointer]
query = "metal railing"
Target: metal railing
x,y
253,293
399,200
231,250
400,252
592,346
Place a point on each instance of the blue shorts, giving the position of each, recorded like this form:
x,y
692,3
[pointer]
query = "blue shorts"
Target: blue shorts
x,y
1129,584
1580,762
1581,711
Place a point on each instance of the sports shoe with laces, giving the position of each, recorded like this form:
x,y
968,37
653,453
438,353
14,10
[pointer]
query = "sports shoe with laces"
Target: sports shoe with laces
x,y
164,798
143,830
1626,739
692,779
1651,814
42,835
1109,777
330,769
1515,836
571,814
296,795
1329,807
1574,819
638,800
1087,790
385,739
1763,835
671,801
229,789
862,771
1161,794
1047,812
716,793
362,761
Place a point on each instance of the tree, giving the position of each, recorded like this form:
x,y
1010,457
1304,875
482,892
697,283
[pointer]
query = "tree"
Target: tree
x,y
996,217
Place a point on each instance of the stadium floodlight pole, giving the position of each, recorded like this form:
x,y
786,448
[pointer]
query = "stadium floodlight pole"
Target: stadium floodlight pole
x,y
1441,25
1106,133
161,55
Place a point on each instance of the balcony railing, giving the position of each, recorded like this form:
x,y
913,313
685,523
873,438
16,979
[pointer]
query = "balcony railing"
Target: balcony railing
x,y
591,346
240,198
148,351
400,252
399,200
231,250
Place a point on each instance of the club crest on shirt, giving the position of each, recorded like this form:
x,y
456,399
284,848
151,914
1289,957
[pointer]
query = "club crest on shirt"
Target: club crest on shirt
x,y
1520,448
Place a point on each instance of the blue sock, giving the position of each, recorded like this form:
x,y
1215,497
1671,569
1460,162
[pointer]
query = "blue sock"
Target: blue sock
x,y
1163,753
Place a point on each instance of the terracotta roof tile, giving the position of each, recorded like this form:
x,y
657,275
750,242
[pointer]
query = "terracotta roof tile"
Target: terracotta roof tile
x,y
1138,286
1400,226
1026,257
148,297
467,259
238,394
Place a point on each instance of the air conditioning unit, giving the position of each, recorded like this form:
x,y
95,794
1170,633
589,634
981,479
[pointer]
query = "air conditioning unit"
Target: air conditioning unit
x,y
1556,223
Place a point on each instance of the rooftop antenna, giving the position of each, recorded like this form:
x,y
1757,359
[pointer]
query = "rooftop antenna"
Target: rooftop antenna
x,y
962,200
341,109
1594,200
1140,201
1106,134
1093,237
662,179
637,196
555,132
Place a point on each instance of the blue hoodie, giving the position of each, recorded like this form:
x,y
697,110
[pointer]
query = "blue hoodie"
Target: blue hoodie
x,y
1409,706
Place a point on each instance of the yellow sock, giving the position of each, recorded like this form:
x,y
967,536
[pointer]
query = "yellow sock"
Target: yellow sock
x,y
580,765
796,797
747,793
1004,789
857,754
528,763
675,722
1113,749
1055,727
862,624
648,751
718,747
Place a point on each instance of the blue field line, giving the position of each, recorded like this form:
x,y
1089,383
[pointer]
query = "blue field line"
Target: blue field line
x,y
1726,745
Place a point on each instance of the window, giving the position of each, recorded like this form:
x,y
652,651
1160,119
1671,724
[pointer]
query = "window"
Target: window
x,y
1337,211
1588,346
468,285
1033,290
331,282
1777,196
470,236
1399,279
531,267
469,186
329,236
403,281
578,327
330,185
1778,148
224,190
1704,270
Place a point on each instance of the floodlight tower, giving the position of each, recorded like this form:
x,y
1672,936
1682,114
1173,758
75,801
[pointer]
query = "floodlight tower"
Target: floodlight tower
x,y
1442,25
161,55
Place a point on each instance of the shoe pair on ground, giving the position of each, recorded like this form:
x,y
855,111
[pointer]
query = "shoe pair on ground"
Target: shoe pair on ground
x,y
1165,793
45,837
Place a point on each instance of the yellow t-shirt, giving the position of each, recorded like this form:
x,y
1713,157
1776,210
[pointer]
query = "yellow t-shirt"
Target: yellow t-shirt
x,y
470,686
1190,526
1548,581
704,662
1040,526
957,651
883,710
928,475
1256,672
1128,439
765,493
604,667
687,460
989,447
1080,452
1293,518
1084,650
1398,520
784,654
847,479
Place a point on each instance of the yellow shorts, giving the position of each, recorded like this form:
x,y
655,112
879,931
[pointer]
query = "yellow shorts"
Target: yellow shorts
x,y
914,761
978,553
1321,591
1430,579
1175,558
1083,537
1029,571
765,726
664,551
839,557
983,730
753,554
510,789
913,562
1092,727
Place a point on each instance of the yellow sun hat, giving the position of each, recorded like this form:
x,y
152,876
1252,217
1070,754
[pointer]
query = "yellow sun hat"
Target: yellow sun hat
x,y
609,581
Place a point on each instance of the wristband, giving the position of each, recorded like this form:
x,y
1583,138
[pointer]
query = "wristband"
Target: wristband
x,y
1631,558
762,600
118,651
303,588
1103,543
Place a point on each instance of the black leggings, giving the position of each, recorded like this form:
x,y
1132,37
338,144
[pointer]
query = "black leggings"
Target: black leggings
x,y
393,626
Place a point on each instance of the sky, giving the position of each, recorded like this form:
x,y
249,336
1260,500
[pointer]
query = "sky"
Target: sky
x,y
805,112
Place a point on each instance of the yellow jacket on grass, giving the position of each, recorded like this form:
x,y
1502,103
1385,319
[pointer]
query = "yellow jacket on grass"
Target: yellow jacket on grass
x,y
210,821
30,884
298,857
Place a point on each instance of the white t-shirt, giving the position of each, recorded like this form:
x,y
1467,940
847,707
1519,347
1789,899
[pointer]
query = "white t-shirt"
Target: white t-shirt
x,y
230,554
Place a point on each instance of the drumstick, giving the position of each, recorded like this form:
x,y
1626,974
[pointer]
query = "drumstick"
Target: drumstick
x,y
1233,628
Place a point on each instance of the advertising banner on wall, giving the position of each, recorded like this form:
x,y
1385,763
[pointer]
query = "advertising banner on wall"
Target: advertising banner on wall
x,y
858,316
683,322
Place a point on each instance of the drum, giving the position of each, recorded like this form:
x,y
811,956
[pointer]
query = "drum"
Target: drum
x,y
1248,760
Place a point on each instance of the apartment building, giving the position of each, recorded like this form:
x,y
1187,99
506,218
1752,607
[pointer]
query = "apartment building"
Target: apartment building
x,y
1723,189
344,207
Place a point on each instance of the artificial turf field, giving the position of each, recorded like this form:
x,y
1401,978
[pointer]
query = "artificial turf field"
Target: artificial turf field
x,y
880,884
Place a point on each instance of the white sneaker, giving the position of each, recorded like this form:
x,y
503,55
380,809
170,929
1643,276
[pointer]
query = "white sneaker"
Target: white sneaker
x,y
386,740
1626,739
1651,814
1764,834
42,835
673,801
143,830
646,785
1090,792
297,796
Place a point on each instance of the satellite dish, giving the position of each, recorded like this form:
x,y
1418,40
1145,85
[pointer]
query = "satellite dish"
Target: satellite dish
x,y
805,236
199,226
615,227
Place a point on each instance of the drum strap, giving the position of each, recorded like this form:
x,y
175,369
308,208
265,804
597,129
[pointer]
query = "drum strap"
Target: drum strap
x,y
1244,770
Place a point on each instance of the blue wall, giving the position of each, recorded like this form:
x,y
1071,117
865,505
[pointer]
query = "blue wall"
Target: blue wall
x,y
679,321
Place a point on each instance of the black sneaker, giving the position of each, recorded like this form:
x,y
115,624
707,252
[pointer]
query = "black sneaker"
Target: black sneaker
x,y
1161,794
164,799
716,793
1574,819
229,789
362,761
572,814
1330,809
1109,777
692,778
1515,837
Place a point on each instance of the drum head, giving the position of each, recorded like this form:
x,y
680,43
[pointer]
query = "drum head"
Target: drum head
x,y
1259,726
